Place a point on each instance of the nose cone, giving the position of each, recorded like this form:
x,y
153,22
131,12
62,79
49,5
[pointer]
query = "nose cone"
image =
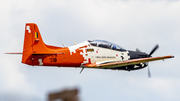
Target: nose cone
x,y
136,54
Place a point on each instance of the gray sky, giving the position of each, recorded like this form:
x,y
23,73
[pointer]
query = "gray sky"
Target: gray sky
x,y
129,23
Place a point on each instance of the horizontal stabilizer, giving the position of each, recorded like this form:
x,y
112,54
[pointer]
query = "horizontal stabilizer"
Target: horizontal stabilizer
x,y
43,53
14,53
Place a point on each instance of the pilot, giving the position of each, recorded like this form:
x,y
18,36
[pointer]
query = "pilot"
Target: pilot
x,y
114,47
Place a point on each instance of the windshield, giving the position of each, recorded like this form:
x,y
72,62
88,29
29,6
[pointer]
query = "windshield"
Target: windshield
x,y
106,44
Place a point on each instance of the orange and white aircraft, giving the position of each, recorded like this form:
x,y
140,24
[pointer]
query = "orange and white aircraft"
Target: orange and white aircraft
x,y
88,54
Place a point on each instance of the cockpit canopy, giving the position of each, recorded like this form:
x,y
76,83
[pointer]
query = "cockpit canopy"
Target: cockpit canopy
x,y
106,44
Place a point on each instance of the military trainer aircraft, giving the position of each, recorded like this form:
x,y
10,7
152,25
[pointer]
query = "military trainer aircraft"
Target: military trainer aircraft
x,y
88,54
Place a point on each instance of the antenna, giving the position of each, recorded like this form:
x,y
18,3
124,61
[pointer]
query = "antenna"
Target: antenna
x,y
63,44
75,43
81,70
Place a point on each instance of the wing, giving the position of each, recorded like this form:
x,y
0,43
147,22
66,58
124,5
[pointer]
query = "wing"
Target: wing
x,y
128,62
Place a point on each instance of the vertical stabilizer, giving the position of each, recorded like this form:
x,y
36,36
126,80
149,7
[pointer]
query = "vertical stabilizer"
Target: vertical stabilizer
x,y
33,43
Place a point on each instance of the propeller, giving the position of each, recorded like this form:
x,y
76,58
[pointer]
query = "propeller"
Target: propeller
x,y
149,55
138,50
153,50
149,72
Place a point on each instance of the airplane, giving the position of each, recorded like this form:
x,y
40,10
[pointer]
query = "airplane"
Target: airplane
x,y
97,54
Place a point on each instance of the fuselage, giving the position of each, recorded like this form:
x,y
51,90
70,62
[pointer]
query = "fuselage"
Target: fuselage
x,y
87,52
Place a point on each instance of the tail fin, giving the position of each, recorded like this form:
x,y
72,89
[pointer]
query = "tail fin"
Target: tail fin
x,y
33,43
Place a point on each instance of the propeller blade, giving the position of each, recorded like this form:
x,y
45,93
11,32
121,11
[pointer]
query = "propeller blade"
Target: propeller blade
x,y
138,50
154,49
149,73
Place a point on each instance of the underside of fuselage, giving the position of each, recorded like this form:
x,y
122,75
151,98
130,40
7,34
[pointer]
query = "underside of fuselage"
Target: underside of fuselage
x,y
131,67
